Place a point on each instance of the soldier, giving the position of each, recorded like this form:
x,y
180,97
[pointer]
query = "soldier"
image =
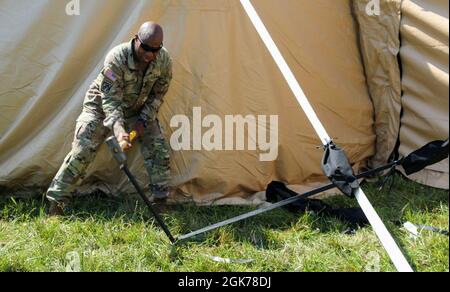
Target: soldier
x,y
126,95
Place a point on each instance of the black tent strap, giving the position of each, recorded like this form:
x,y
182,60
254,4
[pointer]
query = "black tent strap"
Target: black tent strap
x,y
278,191
429,154
281,203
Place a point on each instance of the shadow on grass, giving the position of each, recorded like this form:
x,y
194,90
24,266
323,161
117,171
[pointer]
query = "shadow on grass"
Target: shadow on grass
x,y
406,196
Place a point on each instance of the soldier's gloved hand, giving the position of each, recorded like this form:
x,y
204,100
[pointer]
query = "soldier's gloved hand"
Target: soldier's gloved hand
x,y
139,128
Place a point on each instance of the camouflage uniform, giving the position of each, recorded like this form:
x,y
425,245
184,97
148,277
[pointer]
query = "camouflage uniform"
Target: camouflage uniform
x,y
119,97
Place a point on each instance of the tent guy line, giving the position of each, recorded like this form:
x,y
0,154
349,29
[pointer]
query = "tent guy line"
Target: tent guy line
x,y
380,229
282,203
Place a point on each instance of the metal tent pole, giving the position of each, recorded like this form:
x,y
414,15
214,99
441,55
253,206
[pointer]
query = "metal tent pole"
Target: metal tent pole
x,y
380,229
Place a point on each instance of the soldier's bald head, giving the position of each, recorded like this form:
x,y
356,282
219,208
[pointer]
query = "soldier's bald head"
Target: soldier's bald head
x,y
151,33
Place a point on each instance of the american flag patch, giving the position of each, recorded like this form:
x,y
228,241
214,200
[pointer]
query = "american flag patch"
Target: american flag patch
x,y
110,74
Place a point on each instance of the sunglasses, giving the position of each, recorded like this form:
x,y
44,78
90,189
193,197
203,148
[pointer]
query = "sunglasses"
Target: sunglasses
x,y
147,48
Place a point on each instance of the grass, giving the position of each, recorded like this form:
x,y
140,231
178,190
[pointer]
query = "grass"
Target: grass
x,y
107,234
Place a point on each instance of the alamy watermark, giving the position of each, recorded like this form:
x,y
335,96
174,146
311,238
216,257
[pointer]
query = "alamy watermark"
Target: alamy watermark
x,y
73,7
212,133
373,8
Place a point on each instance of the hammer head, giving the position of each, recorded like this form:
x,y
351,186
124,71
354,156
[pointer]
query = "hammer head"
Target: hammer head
x,y
116,150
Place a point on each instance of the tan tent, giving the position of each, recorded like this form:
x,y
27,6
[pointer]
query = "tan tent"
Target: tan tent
x,y
345,60
410,37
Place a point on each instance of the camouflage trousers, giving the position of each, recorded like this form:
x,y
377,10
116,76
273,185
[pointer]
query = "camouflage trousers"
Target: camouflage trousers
x,y
89,135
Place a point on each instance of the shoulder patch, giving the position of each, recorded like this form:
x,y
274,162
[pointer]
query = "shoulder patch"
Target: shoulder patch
x,y
109,73
106,86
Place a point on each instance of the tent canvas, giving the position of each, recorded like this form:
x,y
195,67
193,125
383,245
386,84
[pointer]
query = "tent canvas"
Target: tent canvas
x,y
220,65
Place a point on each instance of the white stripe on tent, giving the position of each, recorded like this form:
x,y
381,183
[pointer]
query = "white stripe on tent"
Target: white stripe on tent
x,y
383,234
287,73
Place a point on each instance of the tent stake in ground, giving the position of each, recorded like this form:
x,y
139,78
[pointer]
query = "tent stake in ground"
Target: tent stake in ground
x,y
383,234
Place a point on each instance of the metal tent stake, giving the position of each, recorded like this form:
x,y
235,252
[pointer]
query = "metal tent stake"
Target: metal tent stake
x,y
121,158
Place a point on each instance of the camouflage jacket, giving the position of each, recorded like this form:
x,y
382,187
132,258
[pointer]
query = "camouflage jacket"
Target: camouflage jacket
x,y
121,91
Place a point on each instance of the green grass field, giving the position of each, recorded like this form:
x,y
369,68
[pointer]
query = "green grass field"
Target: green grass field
x,y
108,234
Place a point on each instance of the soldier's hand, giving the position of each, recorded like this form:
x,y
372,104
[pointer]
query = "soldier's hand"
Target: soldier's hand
x,y
139,128
124,141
